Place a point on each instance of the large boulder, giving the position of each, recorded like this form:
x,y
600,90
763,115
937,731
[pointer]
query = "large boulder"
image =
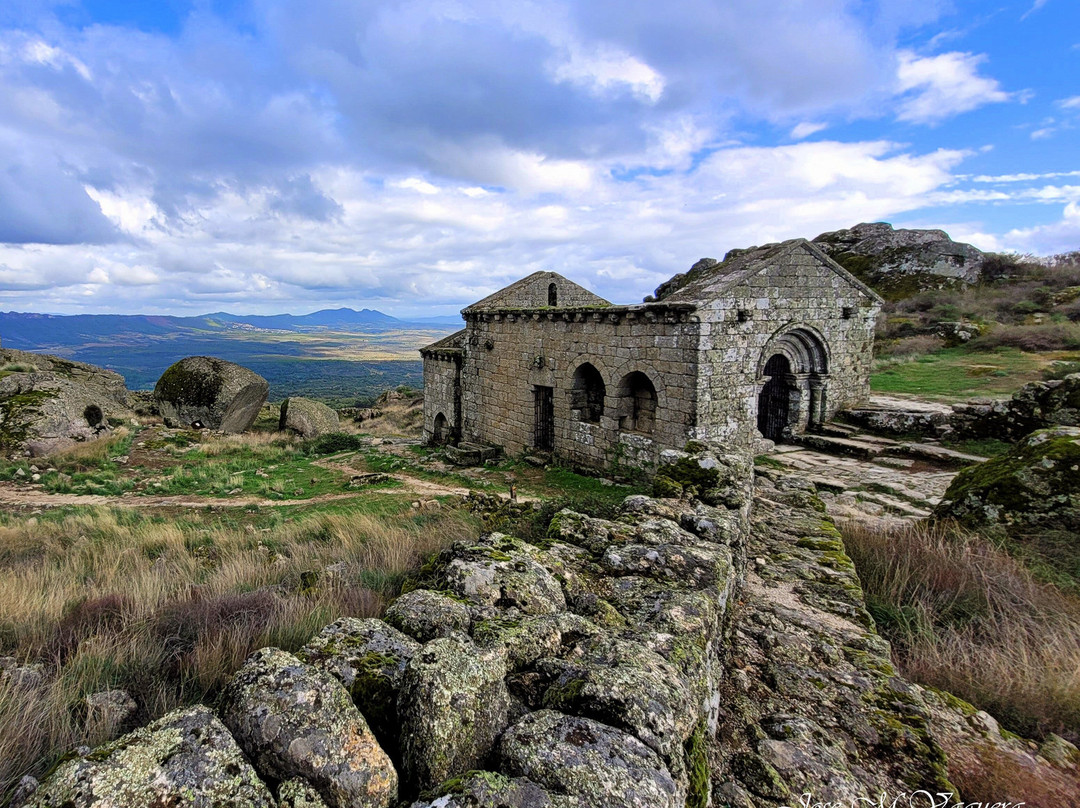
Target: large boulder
x,y
186,758
453,704
295,721
211,392
43,412
307,418
1033,487
106,384
368,657
602,766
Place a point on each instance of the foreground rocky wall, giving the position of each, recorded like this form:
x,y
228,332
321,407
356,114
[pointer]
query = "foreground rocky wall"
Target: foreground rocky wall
x,y
689,652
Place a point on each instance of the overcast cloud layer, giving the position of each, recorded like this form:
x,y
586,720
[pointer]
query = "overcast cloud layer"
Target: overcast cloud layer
x,y
415,156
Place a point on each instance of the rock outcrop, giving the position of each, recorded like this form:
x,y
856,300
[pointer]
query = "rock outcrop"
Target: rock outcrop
x,y
902,260
307,418
49,404
212,393
185,758
43,412
1033,487
1037,405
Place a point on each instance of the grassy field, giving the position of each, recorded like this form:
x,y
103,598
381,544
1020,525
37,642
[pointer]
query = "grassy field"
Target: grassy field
x,y
957,374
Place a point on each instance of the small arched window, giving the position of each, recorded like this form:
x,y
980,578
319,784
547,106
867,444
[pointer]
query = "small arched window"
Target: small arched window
x,y
637,403
553,295
587,394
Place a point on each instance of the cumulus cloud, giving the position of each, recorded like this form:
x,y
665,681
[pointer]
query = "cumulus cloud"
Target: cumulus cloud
x,y
934,88
412,153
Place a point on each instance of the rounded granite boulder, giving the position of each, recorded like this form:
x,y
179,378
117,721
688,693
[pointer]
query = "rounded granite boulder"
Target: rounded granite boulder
x,y
295,721
212,393
307,418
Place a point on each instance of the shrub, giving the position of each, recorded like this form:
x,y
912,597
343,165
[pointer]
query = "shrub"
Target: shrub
x,y
337,442
911,346
1031,338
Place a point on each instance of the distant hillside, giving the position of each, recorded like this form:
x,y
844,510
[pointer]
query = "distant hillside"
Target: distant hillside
x,y
30,332
336,354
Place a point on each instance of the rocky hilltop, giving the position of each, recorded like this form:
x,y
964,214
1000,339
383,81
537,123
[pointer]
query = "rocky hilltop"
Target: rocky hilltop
x,y
889,259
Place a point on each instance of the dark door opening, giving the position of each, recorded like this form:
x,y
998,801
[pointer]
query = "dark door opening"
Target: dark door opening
x,y
774,403
440,431
544,408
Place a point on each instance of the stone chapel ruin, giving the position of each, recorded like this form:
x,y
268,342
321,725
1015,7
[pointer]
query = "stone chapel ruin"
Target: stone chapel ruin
x,y
769,343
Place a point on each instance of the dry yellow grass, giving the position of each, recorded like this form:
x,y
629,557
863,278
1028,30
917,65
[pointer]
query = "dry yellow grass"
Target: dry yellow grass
x,y
966,617
107,598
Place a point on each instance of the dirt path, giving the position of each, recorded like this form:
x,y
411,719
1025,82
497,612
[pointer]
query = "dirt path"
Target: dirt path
x,y
13,495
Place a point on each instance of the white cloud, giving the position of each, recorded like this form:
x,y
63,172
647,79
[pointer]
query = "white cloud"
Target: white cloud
x,y
1058,237
604,69
934,88
1073,102
806,129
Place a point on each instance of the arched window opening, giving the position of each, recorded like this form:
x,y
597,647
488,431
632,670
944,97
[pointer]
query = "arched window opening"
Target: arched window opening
x,y
587,394
638,403
553,295
440,431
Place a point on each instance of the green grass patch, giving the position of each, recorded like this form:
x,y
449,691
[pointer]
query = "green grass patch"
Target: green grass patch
x,y
956,374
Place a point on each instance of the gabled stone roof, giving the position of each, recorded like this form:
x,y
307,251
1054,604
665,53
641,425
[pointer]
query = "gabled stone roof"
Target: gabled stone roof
x,y
531,292
712,281
454,342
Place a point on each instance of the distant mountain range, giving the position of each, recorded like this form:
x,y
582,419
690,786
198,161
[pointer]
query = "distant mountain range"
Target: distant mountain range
x,y
38,332
338,354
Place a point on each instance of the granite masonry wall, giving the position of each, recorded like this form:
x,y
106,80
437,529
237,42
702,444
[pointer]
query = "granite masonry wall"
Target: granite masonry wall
x,y
821,323
509,354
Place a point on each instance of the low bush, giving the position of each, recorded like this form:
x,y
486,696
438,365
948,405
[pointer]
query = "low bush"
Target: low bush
x,y
1030,338
910,346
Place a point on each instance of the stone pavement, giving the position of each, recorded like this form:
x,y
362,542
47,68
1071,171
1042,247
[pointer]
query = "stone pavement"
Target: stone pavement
x,y
851,487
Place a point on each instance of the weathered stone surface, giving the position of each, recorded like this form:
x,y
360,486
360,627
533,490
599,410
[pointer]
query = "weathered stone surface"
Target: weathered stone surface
x,y
885,251
602,766
295,721
298,793
45,412
307,418
186,758
493,790
625,685
368,657
810,702
528,639
500,574
104,383
425,615
110,707
1033,486
453,704
212,392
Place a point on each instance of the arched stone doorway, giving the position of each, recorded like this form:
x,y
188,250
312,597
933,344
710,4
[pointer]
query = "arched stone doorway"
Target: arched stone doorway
x,y
440,430
793,375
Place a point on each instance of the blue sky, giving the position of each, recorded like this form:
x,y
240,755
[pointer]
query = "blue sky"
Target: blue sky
x,y
413,156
